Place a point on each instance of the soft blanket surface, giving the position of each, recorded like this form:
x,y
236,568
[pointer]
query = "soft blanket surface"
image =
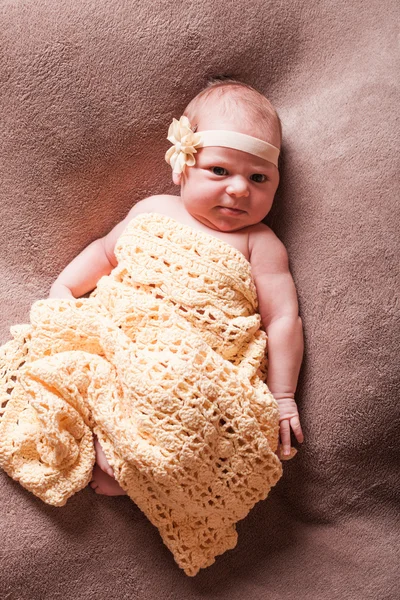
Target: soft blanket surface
x,y
164,362
88,90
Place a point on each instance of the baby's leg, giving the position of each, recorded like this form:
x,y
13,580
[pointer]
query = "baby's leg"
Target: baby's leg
x,y
103,481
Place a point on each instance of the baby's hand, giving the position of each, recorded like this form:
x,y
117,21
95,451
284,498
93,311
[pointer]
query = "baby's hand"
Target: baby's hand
x,y
288,417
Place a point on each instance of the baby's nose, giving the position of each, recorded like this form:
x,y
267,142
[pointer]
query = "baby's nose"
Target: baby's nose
x,y
238,186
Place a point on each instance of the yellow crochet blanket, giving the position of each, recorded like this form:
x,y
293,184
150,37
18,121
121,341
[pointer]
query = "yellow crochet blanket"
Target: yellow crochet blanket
x,y
165,363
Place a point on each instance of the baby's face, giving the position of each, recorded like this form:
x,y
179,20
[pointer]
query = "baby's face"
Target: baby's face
x,y
228,189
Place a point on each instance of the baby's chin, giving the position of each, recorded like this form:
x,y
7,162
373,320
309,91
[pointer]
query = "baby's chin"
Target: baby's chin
x,y
217,221
229,228
227,225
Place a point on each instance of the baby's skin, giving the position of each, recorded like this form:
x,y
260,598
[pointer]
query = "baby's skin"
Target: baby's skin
x,y
226,193
103,481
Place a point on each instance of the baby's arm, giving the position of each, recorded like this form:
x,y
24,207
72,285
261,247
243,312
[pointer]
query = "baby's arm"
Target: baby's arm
x,y
83,272
279,312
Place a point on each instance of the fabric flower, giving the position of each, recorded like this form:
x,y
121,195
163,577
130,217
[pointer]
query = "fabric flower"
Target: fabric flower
x,y
184,142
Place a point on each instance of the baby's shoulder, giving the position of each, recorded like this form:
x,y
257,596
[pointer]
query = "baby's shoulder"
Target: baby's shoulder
x,y
160,203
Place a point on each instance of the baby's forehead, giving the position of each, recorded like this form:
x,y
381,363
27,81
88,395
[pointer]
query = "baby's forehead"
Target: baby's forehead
x,y
213,113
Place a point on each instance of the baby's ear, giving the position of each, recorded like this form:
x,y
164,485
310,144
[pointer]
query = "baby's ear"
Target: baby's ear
x,y
176,178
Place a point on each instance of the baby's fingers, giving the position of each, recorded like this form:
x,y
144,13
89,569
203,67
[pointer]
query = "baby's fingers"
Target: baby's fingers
x,y
285,436
284,431
295,424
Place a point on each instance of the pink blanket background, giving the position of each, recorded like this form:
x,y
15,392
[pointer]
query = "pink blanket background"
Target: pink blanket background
x,y
87,91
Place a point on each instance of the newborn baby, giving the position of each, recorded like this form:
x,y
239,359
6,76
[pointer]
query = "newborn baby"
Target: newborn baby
x,y
225,159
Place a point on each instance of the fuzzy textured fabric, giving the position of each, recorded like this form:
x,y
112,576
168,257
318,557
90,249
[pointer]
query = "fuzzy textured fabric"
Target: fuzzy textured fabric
x,y
165,363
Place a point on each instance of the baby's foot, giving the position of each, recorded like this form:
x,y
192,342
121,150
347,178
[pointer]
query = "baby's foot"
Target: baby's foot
x,y
101,458
104,484
103,480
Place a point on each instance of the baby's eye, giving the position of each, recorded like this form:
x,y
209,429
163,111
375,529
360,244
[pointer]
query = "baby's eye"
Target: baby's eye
x,y
258,178
219,171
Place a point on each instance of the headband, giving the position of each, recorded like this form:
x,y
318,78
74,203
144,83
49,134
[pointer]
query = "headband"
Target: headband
x,y
185,142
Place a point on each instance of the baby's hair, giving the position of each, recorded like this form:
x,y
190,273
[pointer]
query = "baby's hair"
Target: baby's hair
x,y
252,103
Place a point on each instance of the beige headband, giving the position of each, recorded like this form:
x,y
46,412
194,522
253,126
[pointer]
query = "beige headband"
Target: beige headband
x,y
185,142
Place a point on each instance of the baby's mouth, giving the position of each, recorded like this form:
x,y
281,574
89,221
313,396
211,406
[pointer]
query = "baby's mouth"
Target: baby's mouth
x,y
230,211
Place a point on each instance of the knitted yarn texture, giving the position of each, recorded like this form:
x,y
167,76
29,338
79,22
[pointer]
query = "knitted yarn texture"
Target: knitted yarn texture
x,y
165,362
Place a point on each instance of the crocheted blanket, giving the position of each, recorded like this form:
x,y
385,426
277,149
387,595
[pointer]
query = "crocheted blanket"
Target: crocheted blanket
x,y
165,363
